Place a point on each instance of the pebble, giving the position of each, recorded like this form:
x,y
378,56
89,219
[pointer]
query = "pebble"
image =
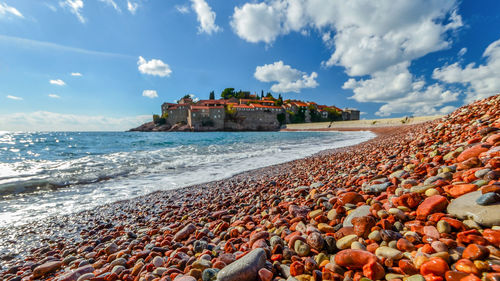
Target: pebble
x,y
388,253
245,268
380,210
346,241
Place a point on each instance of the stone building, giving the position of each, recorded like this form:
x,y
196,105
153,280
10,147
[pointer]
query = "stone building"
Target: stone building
x,y
350,114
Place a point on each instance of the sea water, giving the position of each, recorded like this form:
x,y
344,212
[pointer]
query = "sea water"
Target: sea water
x,y
55,173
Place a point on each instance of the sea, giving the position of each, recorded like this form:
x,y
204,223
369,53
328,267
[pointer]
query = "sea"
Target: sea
x,y
57,173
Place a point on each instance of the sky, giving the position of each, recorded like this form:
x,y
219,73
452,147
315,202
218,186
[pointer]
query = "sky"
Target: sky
x,y
78,65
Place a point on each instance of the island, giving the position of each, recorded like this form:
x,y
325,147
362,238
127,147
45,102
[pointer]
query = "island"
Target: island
x,y
241,111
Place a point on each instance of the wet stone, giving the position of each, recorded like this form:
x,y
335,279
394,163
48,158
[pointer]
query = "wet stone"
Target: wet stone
x,y
245,268
489,198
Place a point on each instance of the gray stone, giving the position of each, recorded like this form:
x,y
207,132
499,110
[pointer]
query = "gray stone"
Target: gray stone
x,y
376,188
246,268
465,207
489,198
361,211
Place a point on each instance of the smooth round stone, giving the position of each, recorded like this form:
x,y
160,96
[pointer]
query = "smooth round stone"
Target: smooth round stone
x,y
245,268
375,235
315,213
388,252
275,240
481,173
361,211
465,207
118,269
431,191
301,248
159,271
471,224
346,241
488,199
357,246
443,226
202,264
397,212
158,261
119,261
209,274
416,277
393,244
439,246
332,214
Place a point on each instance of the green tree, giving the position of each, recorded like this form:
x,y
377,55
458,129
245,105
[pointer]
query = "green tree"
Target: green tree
x,y
281,118
186,97
333,114
269,95
227,93
212,95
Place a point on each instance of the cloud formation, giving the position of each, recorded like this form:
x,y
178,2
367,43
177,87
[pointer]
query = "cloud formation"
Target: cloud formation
x,y
74,7
54,96
366,42
150,94
288,79
51,121
14,97
153,67
205,16
57,82
481,81
132,7
112,3
77,74
182,9
6,10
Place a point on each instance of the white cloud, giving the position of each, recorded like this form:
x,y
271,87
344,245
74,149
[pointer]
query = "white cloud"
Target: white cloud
x,y
57,82
462,52
14,97
424,102
400,92
51,121
482,81
206,17
6,10
366,39
182,9
288,78
132,7
51,7
54,96
78,74
112,3
154,67
75,7
256,22
150,94
19,42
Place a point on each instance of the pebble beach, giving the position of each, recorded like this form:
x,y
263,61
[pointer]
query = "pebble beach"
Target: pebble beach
x,y
417,203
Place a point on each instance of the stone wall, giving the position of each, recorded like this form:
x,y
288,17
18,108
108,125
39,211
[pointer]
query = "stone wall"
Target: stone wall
x,y
201,118
256,120
177,115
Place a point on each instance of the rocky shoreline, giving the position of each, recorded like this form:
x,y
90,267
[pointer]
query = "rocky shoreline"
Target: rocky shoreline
x,y
416,203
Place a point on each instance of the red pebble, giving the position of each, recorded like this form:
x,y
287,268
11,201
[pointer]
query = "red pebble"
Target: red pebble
x,y
296,268
433,204
265,275
436,266
475,252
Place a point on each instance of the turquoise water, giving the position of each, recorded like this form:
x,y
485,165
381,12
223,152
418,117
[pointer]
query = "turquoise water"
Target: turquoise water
x,y
44,174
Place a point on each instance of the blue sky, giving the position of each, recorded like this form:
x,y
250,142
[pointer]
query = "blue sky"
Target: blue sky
x,y
109,64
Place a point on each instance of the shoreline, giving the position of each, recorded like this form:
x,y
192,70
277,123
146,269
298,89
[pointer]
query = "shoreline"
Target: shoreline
x,y
294,214
20,231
